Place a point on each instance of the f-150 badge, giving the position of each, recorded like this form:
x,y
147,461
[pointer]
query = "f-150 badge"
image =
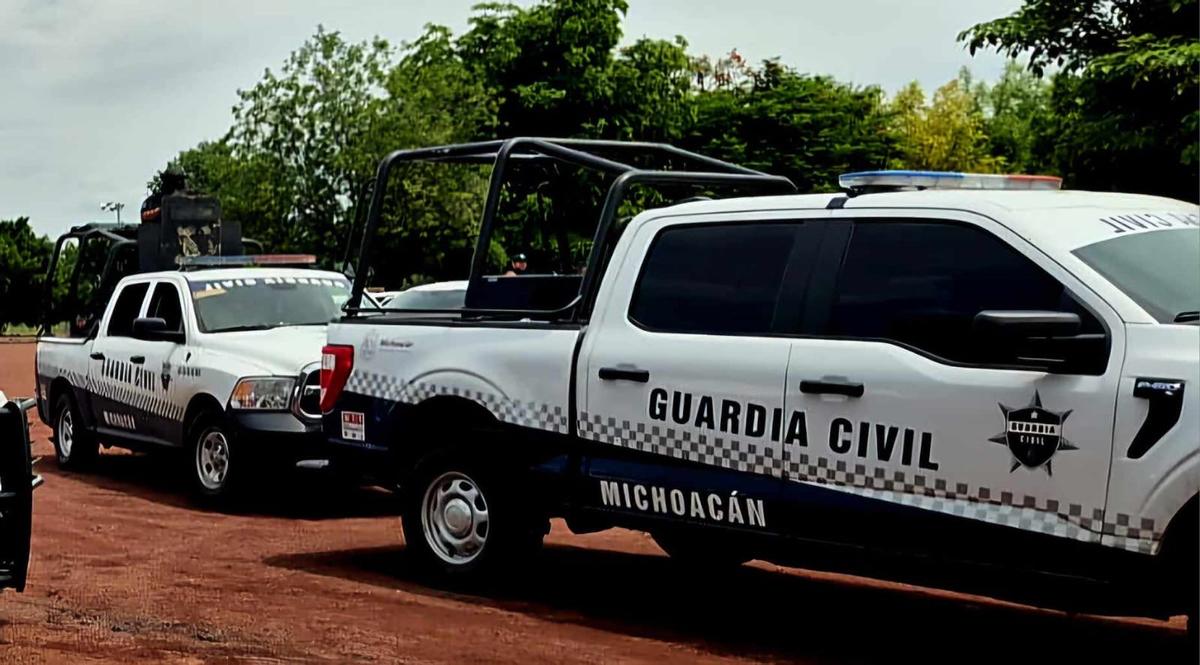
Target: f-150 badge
x,y
1033,435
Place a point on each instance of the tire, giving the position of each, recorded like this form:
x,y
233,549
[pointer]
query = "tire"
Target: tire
x,y
75,448
216,468
694,550
462,522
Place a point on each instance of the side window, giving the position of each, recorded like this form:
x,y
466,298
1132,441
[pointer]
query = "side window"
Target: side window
x,y
164,304
922,283
720,279
129,303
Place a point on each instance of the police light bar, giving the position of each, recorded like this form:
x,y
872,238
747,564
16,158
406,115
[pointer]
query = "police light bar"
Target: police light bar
x,y
248,260
895,180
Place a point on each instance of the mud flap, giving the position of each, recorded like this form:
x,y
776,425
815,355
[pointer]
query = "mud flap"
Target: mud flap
x,y
16,493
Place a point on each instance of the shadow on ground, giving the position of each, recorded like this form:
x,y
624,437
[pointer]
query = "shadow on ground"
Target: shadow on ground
x,y
160,478
771,615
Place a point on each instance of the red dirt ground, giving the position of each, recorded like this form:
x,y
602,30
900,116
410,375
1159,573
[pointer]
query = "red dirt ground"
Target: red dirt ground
x,y
125,569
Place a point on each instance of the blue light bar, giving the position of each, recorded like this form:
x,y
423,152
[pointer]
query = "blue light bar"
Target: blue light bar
x,y
248,260
896,180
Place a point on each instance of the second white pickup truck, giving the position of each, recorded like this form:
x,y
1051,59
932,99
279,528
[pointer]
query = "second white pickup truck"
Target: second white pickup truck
x,y
220,363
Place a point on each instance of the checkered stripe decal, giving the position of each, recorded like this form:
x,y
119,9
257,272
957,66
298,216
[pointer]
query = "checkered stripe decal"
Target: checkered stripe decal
x,y
1047,516
535,415
1142,536
730,453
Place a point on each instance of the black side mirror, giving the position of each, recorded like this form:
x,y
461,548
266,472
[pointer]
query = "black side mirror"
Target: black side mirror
x,y
1015,324
1049,341
154,329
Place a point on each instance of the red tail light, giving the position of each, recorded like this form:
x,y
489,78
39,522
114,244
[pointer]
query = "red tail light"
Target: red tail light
x,y
336,362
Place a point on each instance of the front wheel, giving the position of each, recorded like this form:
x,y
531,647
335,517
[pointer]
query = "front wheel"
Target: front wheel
x,y
461,523
215,467
74,447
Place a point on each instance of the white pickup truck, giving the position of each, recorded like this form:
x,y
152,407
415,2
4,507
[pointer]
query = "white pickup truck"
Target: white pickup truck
x,y
220,363
974,373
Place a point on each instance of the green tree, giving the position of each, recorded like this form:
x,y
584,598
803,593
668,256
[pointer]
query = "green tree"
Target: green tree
x,y
1017,119
808,128
306,140
1125,97
555,70
946,134
23,256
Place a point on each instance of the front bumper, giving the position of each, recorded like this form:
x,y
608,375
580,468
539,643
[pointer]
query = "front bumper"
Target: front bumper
x,y
280,438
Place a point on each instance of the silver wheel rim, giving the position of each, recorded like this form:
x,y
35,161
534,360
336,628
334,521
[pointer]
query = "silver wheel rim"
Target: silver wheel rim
x,y
66,432
212,459
454,518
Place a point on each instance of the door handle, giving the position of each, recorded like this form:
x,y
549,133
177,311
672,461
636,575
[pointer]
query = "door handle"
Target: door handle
x,y
846,388
137,360
96,355
620,374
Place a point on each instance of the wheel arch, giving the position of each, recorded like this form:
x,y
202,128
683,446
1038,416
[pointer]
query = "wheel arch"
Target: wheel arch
x,y
60,386
200,403
436,425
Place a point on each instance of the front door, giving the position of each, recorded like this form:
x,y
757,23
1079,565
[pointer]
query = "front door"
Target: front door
x,y
164,415
684,371
913,420
117,373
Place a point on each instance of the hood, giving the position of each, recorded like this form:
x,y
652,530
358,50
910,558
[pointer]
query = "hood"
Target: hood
x,y
283,351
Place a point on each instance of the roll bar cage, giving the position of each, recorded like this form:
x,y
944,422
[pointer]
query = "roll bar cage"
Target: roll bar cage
x,y
596,155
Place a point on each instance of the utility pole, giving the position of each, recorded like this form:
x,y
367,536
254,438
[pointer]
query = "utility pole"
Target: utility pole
x,y
113,206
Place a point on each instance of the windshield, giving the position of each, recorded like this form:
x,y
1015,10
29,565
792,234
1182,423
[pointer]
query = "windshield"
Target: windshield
x,y
1159,270
452,299
268,302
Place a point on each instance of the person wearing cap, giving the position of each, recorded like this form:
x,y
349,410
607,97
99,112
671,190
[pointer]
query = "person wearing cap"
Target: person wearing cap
x,y
518,265
173,180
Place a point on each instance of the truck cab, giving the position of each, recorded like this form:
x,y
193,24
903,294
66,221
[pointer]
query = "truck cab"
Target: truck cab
x,y
980,371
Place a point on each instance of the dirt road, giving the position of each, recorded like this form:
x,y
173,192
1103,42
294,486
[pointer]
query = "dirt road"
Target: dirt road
x,y
126,569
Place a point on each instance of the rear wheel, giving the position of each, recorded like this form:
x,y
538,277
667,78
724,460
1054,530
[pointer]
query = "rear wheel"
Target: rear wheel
x,y
74,447
461,522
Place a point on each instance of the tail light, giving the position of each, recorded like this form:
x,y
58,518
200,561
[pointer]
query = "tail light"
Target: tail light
x,y
336,362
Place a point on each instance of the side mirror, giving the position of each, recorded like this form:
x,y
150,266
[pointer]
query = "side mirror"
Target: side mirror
x,y
1049,341
154,329
1013,324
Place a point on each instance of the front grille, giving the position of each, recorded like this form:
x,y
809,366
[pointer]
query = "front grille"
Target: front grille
x,y
308,402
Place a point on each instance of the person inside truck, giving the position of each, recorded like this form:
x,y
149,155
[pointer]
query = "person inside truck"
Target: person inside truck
x,y
173,180
519,265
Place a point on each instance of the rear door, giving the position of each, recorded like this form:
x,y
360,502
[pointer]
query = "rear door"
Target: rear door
x,y
684,370
913,420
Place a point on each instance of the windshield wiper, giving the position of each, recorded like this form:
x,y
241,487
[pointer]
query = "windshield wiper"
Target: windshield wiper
x,y
1190,316
256,326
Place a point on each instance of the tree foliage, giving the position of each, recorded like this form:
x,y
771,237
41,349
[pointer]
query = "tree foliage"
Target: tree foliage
x,y
946,134
808,128
23,256
1125,100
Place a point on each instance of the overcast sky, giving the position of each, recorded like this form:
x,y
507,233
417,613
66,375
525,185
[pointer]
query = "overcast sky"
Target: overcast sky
x,y
98,95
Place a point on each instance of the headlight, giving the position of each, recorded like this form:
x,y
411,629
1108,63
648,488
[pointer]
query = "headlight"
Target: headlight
x,y
267,393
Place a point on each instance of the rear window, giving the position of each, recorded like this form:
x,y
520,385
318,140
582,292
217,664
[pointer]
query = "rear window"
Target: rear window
x,y
1159,270
720,279
126,309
